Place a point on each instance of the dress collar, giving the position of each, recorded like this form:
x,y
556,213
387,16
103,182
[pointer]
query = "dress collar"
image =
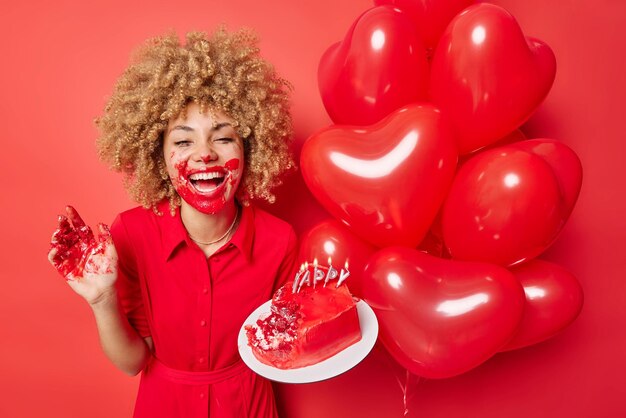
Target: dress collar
x,y
174,234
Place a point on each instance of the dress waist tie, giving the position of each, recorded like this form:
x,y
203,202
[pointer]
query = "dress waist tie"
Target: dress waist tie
x,y
193,377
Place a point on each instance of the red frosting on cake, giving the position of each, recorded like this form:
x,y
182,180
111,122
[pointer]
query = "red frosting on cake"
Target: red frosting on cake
x,y
306,327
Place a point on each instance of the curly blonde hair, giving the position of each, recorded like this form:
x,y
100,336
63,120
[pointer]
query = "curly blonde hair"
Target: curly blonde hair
x,y
222,72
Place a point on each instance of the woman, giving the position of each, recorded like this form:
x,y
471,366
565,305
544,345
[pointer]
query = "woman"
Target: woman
x,y
198,130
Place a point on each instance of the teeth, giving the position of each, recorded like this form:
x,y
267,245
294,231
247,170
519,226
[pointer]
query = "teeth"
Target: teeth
x,y
206,176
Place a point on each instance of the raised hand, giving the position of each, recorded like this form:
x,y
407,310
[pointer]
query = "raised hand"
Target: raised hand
x,y
87,262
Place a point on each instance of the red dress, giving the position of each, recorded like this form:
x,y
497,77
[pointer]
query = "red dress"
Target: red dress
x,y
193,308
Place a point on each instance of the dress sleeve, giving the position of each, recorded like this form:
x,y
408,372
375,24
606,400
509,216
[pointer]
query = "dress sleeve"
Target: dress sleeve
x,y
127,284
286,268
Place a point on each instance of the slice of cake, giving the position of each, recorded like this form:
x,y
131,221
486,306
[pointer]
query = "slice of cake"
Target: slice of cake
x,y
305,327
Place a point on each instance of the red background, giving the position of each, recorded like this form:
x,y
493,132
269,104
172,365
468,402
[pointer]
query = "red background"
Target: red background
x,y
59,62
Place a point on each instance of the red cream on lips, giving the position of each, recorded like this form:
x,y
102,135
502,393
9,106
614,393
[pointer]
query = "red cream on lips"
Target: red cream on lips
x,y
209,188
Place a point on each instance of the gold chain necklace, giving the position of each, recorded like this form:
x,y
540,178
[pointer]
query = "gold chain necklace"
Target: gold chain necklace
x,y
223,236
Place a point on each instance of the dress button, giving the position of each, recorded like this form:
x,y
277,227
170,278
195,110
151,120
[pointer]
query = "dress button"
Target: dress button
x,y
216,259
205,291
201,360
202,395
203,323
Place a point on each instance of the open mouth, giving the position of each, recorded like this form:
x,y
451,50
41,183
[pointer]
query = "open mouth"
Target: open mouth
x,y
207,182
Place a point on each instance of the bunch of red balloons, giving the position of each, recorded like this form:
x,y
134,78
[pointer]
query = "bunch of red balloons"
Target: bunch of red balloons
x,y
441,203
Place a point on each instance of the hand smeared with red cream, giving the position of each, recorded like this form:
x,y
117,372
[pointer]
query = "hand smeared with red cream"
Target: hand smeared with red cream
x,y
76,253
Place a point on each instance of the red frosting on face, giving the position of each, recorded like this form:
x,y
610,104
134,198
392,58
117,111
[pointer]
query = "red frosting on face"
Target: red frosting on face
x,y
207,196
232,164
204,156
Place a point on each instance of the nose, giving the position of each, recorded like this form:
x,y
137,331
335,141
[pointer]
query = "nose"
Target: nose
x,y
206,154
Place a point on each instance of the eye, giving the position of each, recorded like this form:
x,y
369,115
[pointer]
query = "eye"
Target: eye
x,y
225,139
182,142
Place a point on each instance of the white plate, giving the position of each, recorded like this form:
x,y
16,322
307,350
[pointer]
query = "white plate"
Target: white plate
x,y
331,367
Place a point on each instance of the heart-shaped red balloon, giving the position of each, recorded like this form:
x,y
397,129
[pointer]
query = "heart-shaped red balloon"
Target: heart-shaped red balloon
x,y
430,16
440,318
554,299
564,162
385,181
331,241
508,204
487,76
380,66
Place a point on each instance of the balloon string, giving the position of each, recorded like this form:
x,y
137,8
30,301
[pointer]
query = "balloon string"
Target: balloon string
x,y
405,391
404,387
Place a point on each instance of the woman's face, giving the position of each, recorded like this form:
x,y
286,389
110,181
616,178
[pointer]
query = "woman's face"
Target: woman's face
x,y
204,158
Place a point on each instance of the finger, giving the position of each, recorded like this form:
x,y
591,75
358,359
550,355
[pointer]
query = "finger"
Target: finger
x,y
51,255
104,234
59,262
62,221
83,230
64,235
104,238
63,225
72,213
